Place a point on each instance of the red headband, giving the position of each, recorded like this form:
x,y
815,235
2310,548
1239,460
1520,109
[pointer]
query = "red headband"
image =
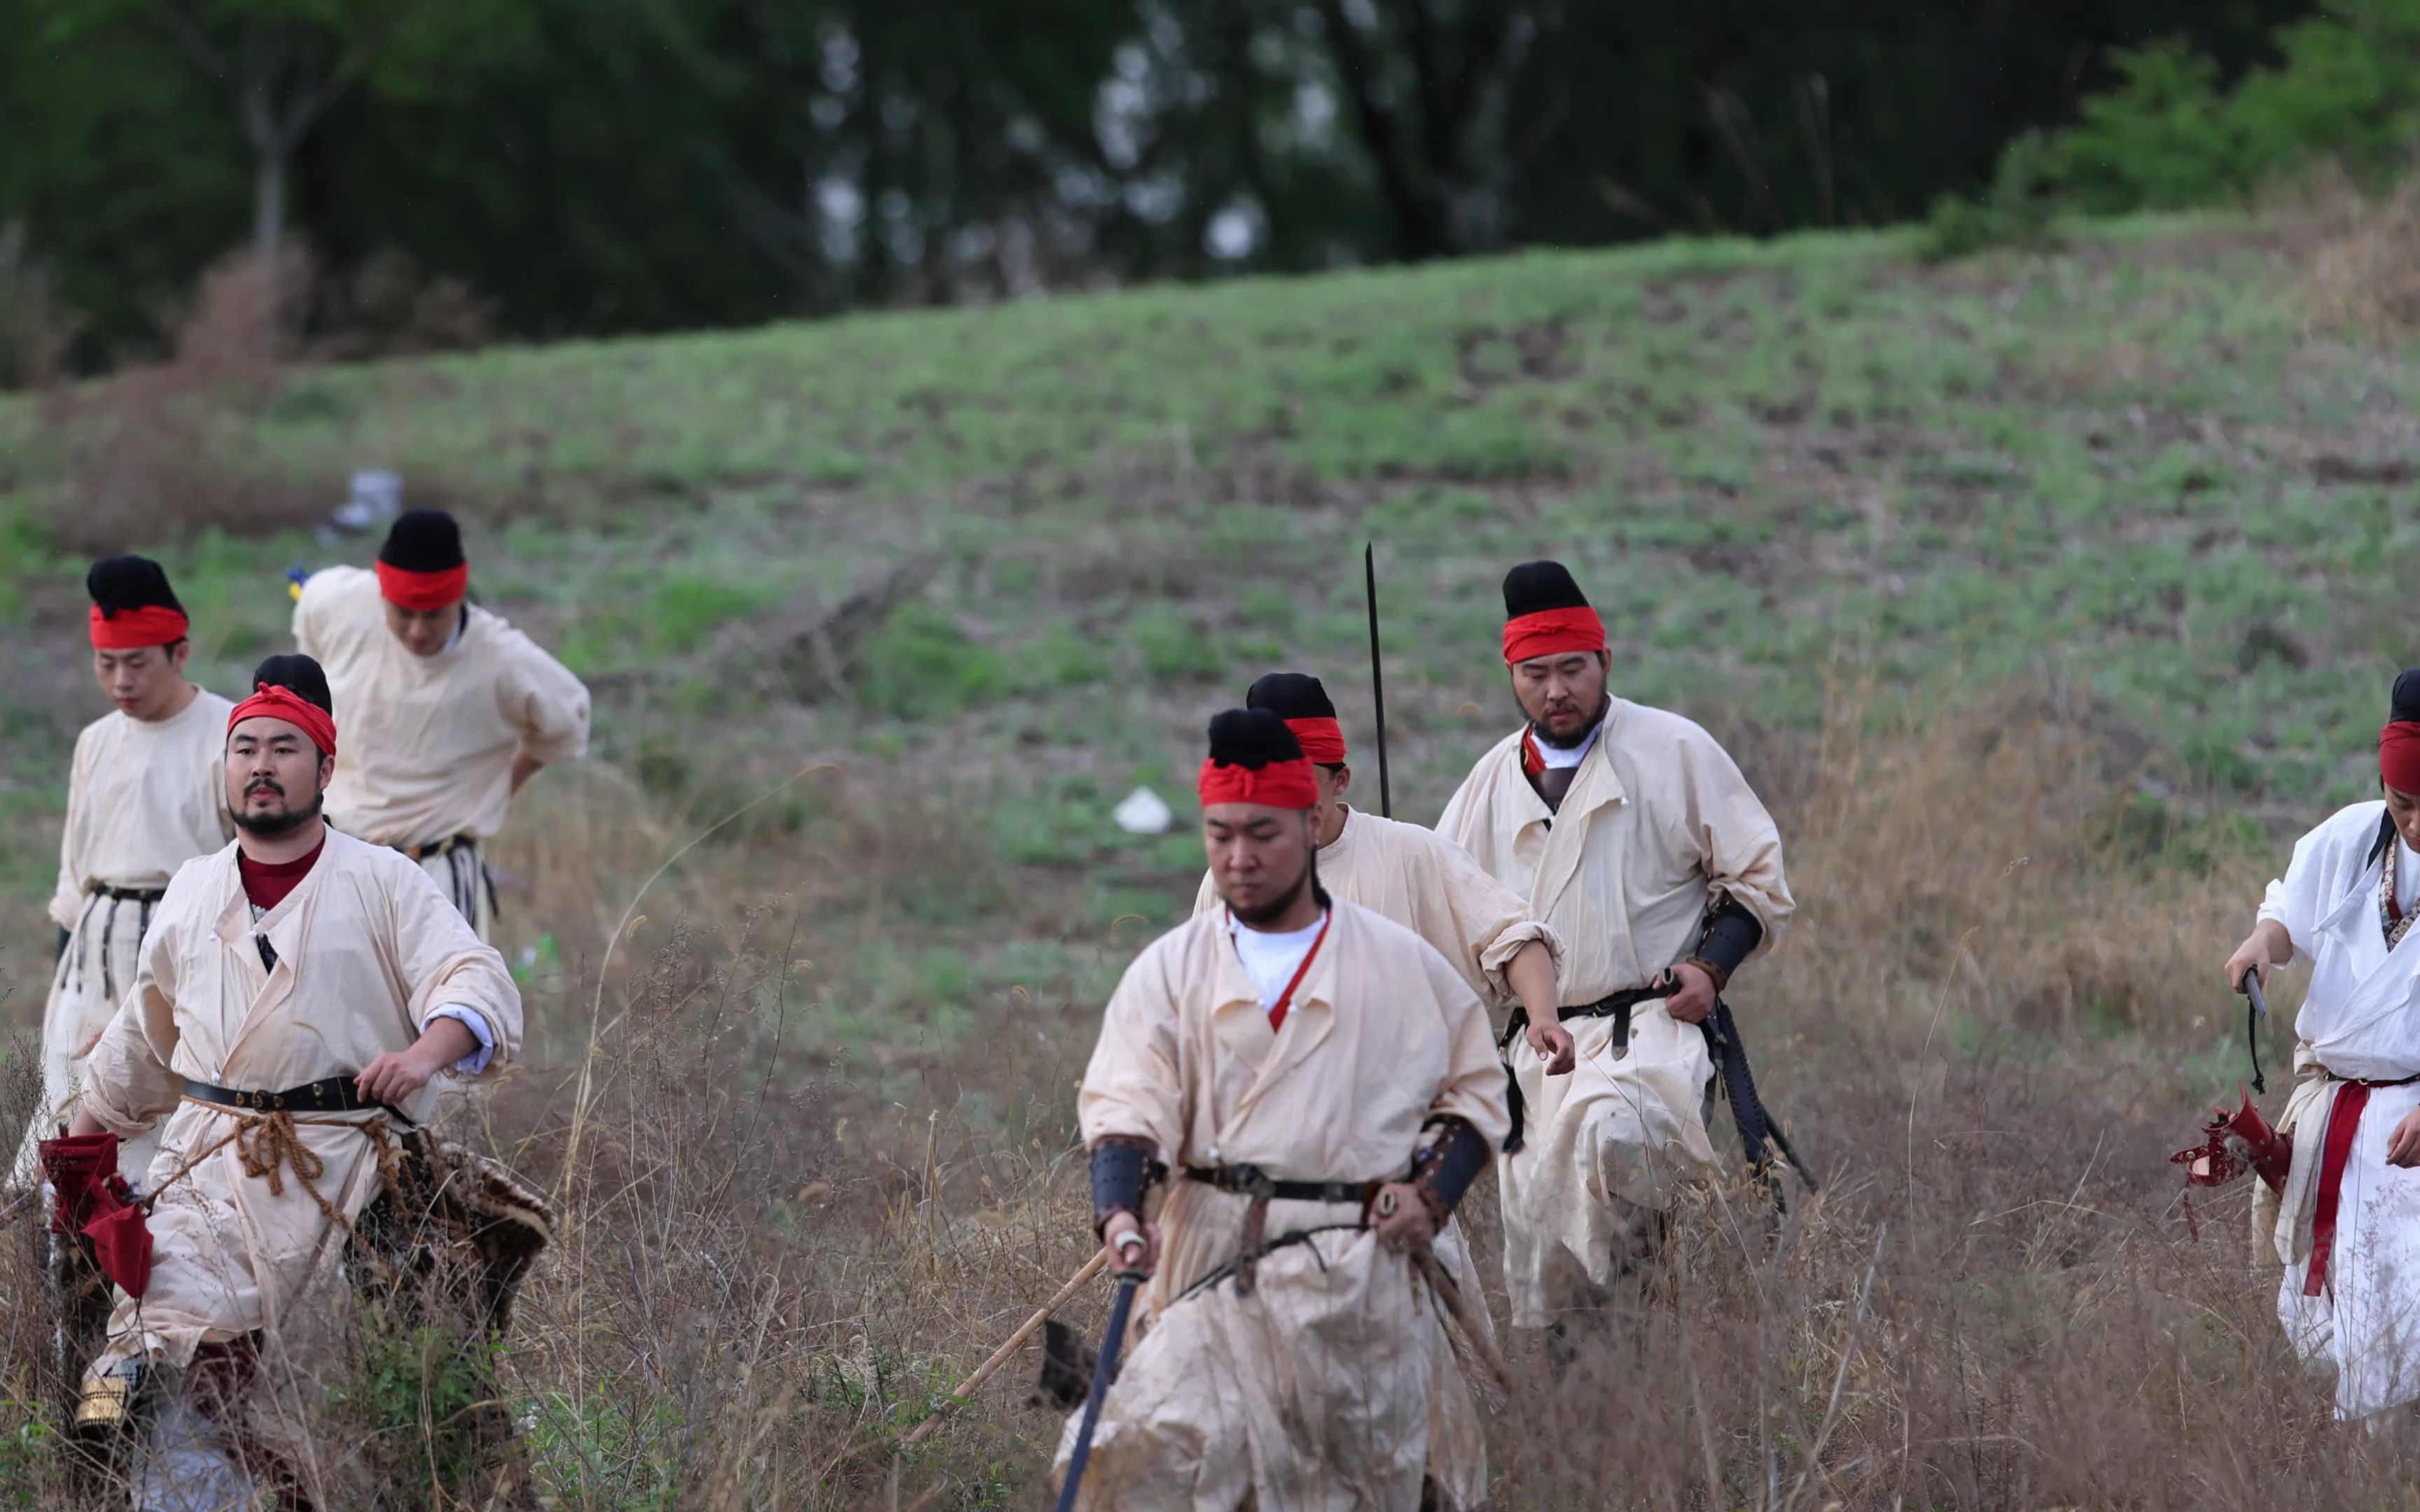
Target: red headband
x,y
1322,740
2398,755
131,629
422,591
1552,632
274,703
1278,785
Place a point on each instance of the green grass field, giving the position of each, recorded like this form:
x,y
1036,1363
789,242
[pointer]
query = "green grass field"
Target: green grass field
x,y
2123,471
1861,516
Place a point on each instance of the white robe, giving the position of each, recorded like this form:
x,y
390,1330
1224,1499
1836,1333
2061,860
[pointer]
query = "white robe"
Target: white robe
x,y
1657,827
144,797
1313,1391
1431,887
366,949
2360,1019
429,742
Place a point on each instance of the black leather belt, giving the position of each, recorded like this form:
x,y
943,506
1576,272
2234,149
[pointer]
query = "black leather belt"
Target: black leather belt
x,y
439,847
126,895
333,1094
1252,1182
1615,1006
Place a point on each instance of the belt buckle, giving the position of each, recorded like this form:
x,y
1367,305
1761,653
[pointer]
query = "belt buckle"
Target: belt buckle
x,y
1252,1182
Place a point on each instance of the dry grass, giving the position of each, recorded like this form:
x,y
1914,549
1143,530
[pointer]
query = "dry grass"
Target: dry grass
x,y
2365,281
1991,1024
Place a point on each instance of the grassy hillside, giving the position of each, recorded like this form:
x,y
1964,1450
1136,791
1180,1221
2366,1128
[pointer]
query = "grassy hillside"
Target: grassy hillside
x,y
2040,593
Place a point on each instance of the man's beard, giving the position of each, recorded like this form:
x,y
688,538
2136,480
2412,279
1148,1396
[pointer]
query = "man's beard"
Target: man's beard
x,y
1271,912
1574,741
284,822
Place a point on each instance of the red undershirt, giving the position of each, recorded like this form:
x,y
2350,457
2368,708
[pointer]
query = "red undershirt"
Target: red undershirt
x,y
267,883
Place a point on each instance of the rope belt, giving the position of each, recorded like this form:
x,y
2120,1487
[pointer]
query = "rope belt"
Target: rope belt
x,y
1615,1006
1253,1182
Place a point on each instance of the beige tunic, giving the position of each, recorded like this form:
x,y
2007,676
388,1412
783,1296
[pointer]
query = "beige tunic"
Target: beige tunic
x,y
143,799
1313,1391
428,742
1433,888
1657,827
366,949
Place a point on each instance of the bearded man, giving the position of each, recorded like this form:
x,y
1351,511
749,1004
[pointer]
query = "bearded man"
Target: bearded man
x,y
2348,1223
1431,887
1322,1082
146,795
451,709
1633,835
298,996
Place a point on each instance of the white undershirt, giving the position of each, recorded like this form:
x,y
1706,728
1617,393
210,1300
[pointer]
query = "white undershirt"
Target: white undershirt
x,y
1557,756
1271,960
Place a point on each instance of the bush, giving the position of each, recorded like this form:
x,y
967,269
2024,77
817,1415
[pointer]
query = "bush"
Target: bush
x,y
2171,133
2019,210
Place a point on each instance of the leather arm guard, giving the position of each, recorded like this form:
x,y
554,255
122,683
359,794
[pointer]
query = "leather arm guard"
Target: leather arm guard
x,y
1124,1167
1731,936
1444,1171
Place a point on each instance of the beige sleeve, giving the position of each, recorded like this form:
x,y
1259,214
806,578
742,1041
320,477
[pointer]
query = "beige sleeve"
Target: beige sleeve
x,y
128,1083
539,696
306,624
1134,1085
1737,841
1475,1081
66,898
1487,918
444,965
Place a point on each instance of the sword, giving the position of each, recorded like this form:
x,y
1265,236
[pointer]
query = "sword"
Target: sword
x,y
1756,1126
1377,682
1105,1368
2256,1009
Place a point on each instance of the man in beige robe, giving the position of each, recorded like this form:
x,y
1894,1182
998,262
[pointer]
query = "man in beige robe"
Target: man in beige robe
x,y
297,969
1320,1085
1633,836
1428,885
450,709
146,795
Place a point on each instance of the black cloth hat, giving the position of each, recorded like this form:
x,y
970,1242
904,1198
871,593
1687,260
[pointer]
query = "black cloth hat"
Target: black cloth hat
x,y
300,675
1291,696
1251,738
423,540
129,582
1534,587
2405,705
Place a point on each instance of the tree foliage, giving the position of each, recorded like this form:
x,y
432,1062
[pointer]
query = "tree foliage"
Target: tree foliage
x,y
609,166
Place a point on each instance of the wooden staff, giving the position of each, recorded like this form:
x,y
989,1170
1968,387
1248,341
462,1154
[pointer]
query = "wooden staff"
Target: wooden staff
x,y
1481,1344
999,1357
